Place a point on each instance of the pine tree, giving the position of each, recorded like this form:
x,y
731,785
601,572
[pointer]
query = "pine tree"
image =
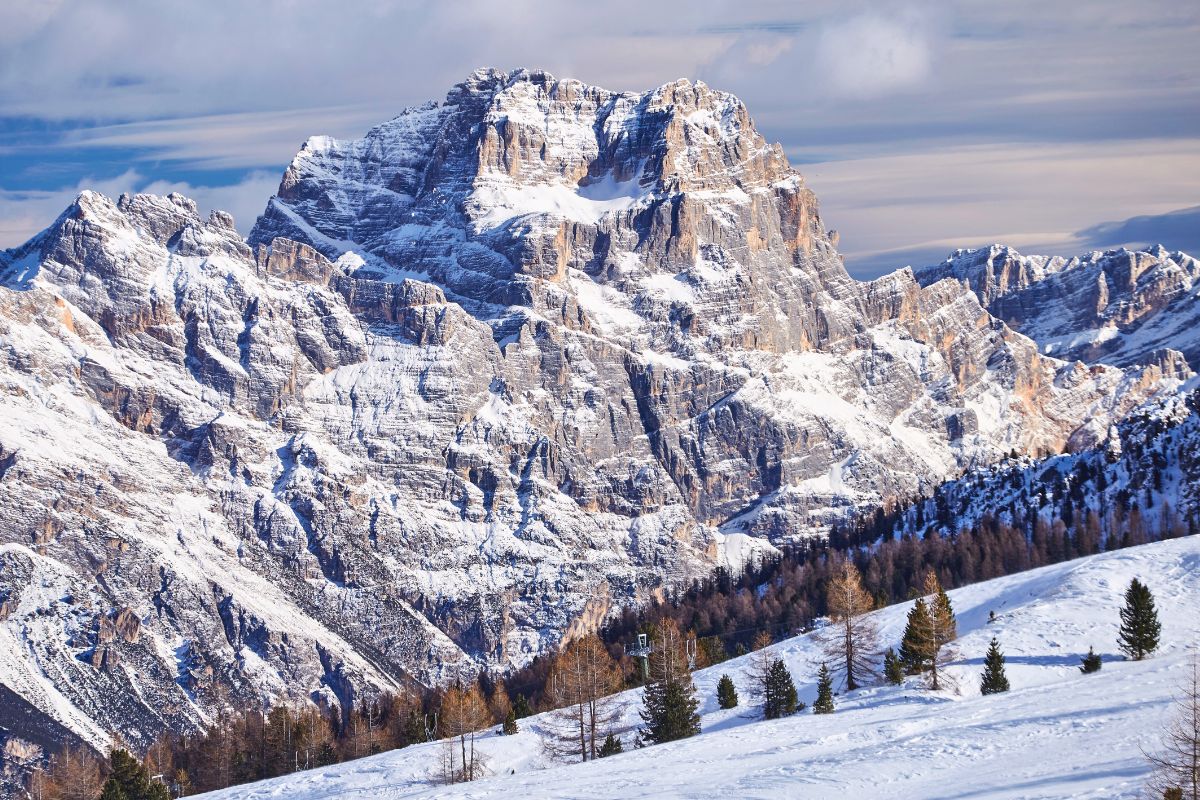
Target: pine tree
x,y
612,745
914,647
994,680
669,697
850,640
943,629
1140,628
510,727
1091,662
128,780
726,693
779,691
112,791
824,703
521,707
893,668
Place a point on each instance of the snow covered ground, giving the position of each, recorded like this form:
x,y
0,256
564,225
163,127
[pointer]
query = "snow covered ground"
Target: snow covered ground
x,y
1057,734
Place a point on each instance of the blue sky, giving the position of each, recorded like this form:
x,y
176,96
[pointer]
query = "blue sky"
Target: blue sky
x,y
1052,126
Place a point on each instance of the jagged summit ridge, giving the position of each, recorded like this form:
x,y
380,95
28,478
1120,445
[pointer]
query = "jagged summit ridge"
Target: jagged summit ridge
x,y
1118,306
519,184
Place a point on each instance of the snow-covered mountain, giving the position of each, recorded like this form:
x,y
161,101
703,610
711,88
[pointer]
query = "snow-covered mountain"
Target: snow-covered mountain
x,y
507,362
1056,733
1116,307
1143,481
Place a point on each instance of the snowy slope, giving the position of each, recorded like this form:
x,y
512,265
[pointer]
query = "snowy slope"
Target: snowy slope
x,y
1056,734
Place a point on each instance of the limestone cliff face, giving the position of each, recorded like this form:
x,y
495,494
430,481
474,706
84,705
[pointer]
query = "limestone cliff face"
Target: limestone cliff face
x,y
1118,307
505,363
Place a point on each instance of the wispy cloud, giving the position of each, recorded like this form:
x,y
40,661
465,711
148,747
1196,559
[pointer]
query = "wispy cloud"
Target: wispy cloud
x,y
1177,230
872,54
895,210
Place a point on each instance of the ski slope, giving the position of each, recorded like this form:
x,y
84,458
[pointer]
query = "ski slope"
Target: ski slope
x,y
1056,734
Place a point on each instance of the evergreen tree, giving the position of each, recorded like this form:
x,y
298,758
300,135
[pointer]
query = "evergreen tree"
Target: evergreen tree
x,y
327,756
612,745
915,644
824,703
510,727
726,693
893,668
943,629
128,780
1140,628
112,791
1091,662
779,691
669,699
521,708
994,680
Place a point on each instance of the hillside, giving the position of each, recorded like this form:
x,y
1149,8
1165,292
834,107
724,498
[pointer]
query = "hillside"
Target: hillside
x,y
1056,734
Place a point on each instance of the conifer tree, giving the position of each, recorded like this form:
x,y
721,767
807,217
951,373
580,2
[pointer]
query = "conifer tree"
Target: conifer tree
x,y
1177,763
1140,628
72,774
914,647
1091,662
669,698
779,691
112,791
128,780
463,712
510,726
499,702
893,668
824,703
726,693
994,680
943,629
612,745
521,707
850,640
582,686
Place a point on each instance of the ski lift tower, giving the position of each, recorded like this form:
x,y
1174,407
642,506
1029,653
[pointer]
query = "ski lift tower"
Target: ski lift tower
x,y
642,653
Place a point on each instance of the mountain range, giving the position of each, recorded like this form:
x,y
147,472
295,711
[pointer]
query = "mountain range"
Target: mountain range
x,y
506,364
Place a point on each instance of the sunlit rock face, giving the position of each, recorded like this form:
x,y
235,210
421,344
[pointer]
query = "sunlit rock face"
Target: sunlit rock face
x,y
504,364
1117,307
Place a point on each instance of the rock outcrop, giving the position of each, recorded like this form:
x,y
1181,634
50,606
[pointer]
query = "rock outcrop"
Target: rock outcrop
x,y
1119,307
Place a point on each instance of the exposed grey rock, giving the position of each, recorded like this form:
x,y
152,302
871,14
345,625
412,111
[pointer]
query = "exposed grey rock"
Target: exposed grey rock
x,y
1116,307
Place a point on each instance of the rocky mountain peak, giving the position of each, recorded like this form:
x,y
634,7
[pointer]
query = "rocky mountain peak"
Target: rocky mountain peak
x,y
1117,306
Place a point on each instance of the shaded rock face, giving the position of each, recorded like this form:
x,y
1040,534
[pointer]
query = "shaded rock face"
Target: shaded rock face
x,y
1119,307
504,364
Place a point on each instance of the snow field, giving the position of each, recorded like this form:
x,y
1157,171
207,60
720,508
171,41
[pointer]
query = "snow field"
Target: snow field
x,y
1057,734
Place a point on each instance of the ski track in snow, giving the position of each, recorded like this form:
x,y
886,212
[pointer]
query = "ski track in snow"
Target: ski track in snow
x,y
1057,734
